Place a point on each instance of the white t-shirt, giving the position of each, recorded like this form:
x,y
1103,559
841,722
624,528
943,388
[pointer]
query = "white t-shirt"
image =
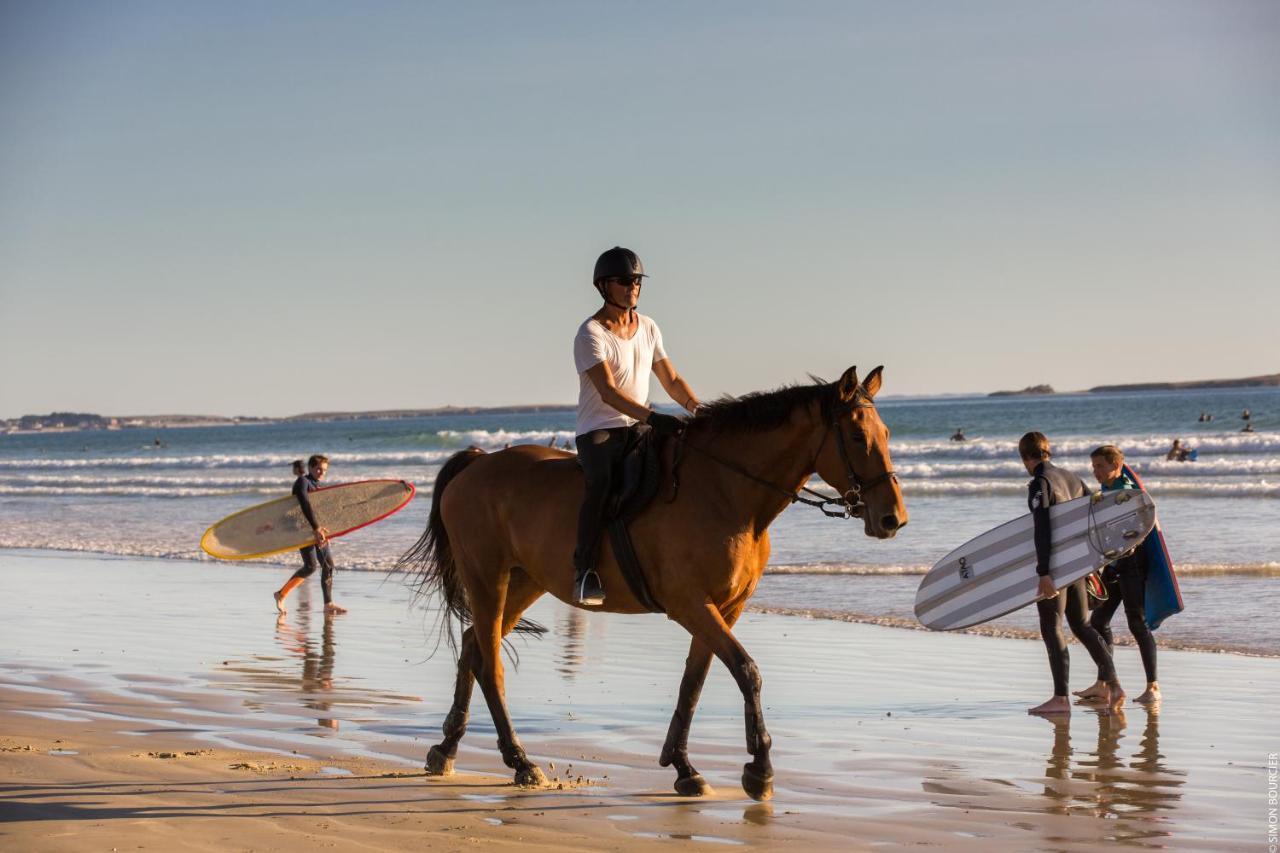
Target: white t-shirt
x,y
631,362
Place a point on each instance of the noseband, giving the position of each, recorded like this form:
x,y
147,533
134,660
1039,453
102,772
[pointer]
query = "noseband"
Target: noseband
x,y
850,502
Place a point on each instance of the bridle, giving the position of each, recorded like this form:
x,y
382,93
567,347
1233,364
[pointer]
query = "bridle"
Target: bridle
x,y
847,505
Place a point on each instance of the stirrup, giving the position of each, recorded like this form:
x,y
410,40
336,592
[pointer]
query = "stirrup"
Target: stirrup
x,y
587,589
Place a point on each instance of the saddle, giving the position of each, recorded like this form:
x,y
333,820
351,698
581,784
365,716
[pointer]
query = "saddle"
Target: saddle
x,y
636,480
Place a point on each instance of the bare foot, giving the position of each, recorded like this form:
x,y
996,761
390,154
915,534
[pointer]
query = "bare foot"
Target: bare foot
x,y
1151,696
334,609
1056,705
280,608
1106,696
1098,688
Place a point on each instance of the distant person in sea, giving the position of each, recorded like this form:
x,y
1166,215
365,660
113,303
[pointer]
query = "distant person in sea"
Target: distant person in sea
x,y
958,435
1246,415
317,554
299,468
1248,427
616,350
1178,452
1126,582
1053,485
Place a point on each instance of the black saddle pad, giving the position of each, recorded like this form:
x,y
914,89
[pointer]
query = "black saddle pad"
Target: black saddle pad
x,y
637,478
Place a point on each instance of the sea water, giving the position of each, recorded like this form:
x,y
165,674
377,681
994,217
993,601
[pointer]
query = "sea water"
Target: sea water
x,y
153,493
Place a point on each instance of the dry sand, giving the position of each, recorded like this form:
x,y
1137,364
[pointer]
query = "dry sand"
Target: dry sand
x,y
160,705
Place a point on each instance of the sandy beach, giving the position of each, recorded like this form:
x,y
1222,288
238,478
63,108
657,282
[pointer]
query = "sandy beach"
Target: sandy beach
x,y
162,704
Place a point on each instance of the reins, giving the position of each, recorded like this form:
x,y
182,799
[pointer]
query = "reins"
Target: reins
x,y
848,505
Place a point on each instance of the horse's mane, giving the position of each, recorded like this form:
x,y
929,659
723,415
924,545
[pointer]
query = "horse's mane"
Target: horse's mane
x,y
765,410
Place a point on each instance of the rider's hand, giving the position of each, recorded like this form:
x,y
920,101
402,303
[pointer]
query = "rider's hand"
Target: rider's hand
x,y
665,424
1045,588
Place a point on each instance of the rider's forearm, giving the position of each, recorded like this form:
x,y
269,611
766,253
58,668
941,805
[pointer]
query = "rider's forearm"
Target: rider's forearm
x,y
616,399
683,394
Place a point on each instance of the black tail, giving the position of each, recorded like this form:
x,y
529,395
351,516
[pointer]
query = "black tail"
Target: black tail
x,y
431,557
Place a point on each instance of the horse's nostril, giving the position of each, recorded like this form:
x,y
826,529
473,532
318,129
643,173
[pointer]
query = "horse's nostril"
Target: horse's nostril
x,y
889,522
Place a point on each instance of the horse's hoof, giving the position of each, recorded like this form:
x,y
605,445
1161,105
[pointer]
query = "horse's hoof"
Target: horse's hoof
x,y
693,786
759,786
530,777
438,764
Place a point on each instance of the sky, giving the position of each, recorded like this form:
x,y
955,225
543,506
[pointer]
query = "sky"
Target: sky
x,y
266,208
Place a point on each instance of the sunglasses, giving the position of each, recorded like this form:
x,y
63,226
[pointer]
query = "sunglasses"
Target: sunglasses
x,y
630,281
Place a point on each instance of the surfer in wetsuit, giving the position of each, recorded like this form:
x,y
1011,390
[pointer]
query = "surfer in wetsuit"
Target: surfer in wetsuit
x,y
615,351
958,435
1126,581
1052,485
317,554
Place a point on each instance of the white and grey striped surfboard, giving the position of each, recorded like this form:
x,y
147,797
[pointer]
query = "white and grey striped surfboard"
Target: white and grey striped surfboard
x,y
995,573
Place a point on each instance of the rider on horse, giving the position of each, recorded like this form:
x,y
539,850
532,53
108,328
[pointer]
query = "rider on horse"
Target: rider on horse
x,y
616,350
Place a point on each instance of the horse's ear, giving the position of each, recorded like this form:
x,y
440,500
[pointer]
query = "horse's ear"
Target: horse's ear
x,y
871,384
849,385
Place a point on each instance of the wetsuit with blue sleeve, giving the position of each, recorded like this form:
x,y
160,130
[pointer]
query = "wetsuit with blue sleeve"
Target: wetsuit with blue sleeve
x,y
313,555
1052,485
1126,581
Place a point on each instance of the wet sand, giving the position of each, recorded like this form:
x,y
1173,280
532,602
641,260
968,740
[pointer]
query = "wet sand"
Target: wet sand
x,y
303,732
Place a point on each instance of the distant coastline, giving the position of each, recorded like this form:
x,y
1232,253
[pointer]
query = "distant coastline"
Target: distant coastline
x,y
1266,381
78,421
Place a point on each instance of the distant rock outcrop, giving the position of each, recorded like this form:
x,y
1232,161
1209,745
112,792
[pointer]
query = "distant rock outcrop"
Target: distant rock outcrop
x,y
1030,389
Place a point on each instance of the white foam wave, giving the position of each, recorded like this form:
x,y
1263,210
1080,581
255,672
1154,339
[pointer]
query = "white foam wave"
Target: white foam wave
x,y
490,439
844,569
1158,488
1133,445
1205,467
248,460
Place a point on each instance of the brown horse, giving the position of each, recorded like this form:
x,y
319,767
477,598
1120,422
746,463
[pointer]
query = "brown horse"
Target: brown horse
x,y
500,534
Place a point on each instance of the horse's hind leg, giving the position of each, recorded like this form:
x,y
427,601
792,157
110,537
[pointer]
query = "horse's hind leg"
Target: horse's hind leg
x,y
706,624
521,592
487,620
689,782
440,757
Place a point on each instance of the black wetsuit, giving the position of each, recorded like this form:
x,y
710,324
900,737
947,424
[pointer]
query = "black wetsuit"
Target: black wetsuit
x,y
1052,485
1126,581
599,452
313,555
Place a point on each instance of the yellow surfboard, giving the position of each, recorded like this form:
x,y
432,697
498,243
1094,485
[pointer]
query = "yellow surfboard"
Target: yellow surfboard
x,y
279,525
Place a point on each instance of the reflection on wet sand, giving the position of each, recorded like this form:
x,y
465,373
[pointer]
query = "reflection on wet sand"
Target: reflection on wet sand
x,y
1131,792
276,681
317,669
571,653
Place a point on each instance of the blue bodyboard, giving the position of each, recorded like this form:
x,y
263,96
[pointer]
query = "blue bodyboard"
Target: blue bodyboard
x,y
1163,597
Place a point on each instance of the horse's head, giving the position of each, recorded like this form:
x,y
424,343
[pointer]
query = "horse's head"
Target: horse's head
x,y
854,458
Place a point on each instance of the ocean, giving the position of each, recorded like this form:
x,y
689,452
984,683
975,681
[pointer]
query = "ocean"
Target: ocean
x,y
119,492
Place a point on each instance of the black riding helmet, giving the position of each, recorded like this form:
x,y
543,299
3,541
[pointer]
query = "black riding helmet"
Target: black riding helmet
x,y
617,263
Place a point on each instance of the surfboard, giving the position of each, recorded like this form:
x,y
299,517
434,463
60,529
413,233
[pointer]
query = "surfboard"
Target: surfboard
x,y
995,573
279,525
1163,596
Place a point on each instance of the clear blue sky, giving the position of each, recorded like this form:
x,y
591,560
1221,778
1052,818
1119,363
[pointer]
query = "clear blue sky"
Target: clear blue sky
x,y
274,207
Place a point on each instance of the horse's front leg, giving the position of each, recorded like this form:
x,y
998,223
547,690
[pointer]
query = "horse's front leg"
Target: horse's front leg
x,y
707,625
689,782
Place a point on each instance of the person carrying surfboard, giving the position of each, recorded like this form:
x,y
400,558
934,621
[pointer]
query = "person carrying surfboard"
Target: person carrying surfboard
x,y
317,554
616,350
1051,485
1125,581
